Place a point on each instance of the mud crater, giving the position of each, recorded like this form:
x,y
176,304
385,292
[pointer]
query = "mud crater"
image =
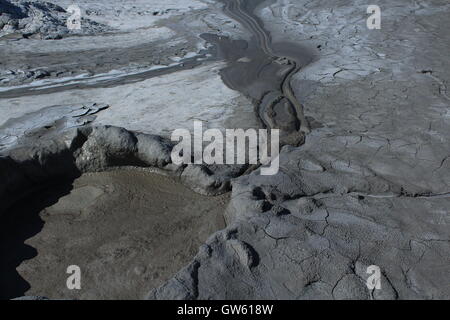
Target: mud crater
x,y
129,231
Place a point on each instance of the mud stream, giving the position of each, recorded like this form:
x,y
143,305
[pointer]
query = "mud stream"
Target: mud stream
x,y
263,71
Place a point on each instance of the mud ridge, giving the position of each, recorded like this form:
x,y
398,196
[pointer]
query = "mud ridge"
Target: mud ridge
x,y
55,155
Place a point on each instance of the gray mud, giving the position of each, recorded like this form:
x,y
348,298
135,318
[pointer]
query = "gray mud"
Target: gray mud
x,y
128,230
369,187
263,70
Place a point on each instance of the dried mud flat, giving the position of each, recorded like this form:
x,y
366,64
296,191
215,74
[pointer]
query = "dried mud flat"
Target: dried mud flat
x,y
129,230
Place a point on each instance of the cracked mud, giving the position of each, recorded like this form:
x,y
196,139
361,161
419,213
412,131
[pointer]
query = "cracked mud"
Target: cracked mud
x,y
364,172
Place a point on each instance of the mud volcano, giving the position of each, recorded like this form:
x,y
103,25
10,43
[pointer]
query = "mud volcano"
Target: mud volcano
x,y
128,231
90,197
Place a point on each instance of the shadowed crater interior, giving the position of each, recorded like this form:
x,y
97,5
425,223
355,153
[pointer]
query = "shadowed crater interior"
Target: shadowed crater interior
x,y
128,231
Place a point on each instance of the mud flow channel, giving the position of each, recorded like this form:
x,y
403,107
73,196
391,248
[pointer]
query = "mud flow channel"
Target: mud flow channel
x,y
127,230
262,70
